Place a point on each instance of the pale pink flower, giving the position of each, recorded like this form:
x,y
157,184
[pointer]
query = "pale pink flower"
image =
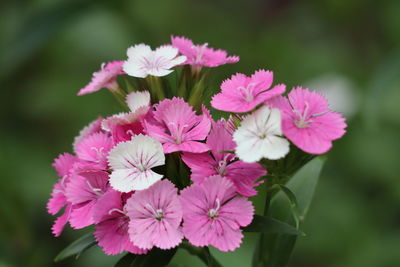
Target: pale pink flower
x,y
177,126
104,78
142,61
155,216
243,175
308,122
93,127
82,191
213,214
201,55
94,148
138,100
241,93
260,136
132,162
112,224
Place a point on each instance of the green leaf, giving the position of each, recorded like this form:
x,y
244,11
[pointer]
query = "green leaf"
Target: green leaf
x,y
268,225
276,249
76,247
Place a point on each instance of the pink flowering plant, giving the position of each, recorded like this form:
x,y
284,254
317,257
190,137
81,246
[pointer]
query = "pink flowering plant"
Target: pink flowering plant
x,y
167,174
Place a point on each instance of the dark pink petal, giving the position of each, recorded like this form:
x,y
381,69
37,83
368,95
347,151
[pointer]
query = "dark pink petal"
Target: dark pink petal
x,y
82,215
63,164
202,165
61,221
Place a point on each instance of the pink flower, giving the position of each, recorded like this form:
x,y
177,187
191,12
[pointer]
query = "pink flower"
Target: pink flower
x,y
242,94
93,127
63,165
213,214
155,215
243,175
82,191
178,127
308,122
132,162
124,126
94,148
105,78
201,55
142,61
112,224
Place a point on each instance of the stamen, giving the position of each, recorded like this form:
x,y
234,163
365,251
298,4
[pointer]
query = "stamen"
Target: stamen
x,y
177,131
116,210
213,213
247,92
200,49
130,132
99,153
158,213
95,190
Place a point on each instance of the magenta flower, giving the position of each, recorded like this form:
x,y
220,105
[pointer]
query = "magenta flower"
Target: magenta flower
x,y
308,122
177,126
104,78
201,55
242,94
94,148
213,214
112,224
243,175
82,191
155,216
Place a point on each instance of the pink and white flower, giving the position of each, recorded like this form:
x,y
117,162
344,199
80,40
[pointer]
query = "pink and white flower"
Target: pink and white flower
x,y
155,216
132,162
177,126
308,122
138,100
213,214
241,93
104,78
201,55
243,175
112,224
260,136
142,61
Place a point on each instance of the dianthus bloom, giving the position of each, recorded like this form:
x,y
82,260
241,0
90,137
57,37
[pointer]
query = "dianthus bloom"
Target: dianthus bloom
x,y
201,55
142,61
132,162
308,122
220,162
155,216
104,78
82,191
177,126
94,148
260,136
242,94
112,224
213,214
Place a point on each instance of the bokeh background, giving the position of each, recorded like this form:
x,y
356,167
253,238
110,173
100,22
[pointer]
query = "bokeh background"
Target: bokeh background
x,y
348,49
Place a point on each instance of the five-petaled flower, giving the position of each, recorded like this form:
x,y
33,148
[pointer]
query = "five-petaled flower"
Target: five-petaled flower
x,y
142,61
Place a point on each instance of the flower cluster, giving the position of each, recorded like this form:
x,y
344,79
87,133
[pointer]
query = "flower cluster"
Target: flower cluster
x,y
166,170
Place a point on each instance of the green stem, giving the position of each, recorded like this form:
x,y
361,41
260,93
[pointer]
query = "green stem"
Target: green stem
x,y
202,253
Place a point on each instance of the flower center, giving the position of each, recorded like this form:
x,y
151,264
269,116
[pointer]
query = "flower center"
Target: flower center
x,y
213,213
96,191
303,119
99,153
222,164
200,49
157,213
177,131
247,92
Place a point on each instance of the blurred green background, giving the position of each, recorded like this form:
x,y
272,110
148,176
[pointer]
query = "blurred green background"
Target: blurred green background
x,y
348,49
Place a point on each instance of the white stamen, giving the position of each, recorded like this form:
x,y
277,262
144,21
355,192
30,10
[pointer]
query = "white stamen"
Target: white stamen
x,y
213,213
116,210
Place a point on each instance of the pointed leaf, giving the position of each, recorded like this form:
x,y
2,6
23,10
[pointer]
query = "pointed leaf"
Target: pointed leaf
x,y
275,249
268,225
76,247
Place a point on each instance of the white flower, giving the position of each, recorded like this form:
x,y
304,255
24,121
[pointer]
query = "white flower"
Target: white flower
x,y
132,162
142,61
138,100
260,136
